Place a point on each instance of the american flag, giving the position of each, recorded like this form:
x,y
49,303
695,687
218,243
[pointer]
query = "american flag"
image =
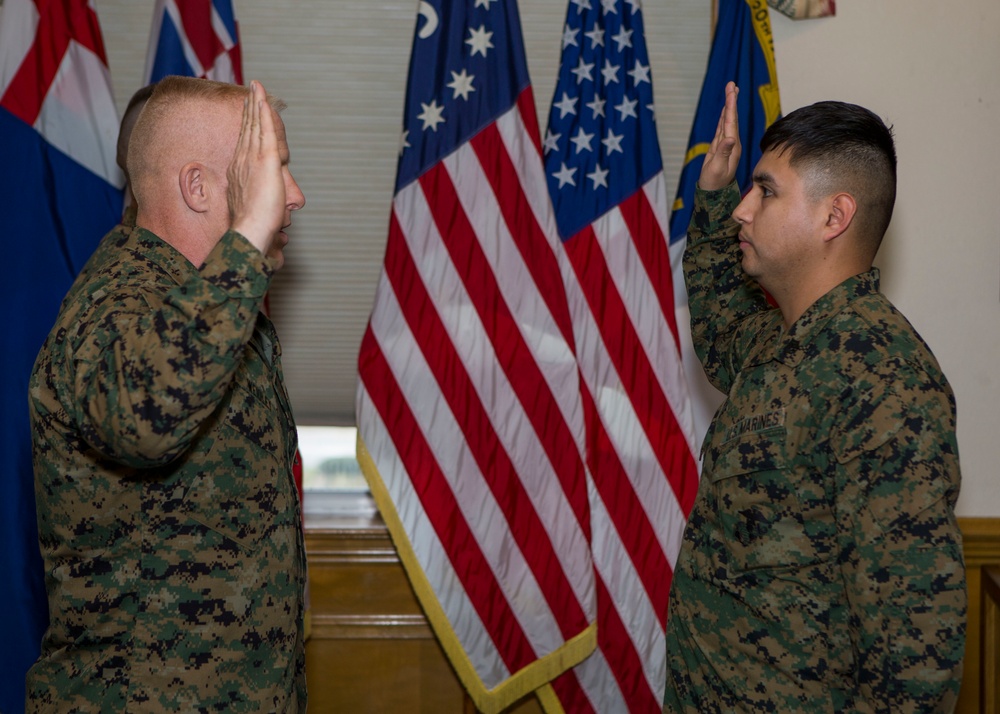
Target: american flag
x,y
605,176
194,38
60,193
469,408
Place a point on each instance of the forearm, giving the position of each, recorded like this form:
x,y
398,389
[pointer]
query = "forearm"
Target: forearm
x,y
720,294
152,370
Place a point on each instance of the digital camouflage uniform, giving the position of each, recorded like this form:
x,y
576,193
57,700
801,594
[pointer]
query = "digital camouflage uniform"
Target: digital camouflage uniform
x,y
168,518
821,569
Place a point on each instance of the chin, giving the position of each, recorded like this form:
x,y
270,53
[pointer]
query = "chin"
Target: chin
x,y
278,256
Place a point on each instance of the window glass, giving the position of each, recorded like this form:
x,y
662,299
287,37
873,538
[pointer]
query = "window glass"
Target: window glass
x,y
328,460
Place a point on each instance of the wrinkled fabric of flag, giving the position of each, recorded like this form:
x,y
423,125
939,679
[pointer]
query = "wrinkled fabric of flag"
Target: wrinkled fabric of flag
x,y
470,418
60,193
194,38
605,177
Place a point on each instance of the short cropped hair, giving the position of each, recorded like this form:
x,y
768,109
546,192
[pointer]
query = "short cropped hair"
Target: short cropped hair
x,y
164,113
836,147
135,105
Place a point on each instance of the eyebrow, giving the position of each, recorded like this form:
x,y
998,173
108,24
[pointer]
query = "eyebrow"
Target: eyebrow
x,y
763,177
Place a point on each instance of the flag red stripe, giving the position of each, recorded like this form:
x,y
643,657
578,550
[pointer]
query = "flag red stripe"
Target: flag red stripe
x,y
636,373
438,501
526,106
636,533
57,26
524,229
625,663
541,262
458,390
196,17
512,352
653,249
571,695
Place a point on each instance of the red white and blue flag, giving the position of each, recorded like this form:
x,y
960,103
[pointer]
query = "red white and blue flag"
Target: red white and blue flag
x,y
469,409
522,415
194,38
605,176
60,192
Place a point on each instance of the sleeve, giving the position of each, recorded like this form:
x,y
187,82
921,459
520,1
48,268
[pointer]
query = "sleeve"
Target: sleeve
x,y
721,296
902,564
149,369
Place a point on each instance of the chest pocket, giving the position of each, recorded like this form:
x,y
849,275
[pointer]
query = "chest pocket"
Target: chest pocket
x,y
753,492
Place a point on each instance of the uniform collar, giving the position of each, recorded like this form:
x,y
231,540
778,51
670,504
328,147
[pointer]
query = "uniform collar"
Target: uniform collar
x,y
791,347
150,247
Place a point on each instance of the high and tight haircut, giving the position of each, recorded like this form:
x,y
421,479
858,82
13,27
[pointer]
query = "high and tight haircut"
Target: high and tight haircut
x,y
837,147
169,93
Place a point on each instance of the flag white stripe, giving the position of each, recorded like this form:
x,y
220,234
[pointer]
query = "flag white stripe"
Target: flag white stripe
x,y
18,27
628,273
79,121
635,610
443,432
221,31
599,684
553,357
552,354
624,428
427,547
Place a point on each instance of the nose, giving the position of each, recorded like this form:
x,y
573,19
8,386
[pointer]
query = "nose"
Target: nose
x,y
742,214
294,198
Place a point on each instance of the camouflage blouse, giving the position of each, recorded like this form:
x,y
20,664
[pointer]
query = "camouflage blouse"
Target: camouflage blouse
x,y
821,569
168,518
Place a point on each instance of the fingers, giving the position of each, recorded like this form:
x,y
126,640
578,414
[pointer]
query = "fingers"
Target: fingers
x,y
256,191
719,167
730,115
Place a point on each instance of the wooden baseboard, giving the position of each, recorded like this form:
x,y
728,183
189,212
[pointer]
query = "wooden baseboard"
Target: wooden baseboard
x,y
981,545
369,634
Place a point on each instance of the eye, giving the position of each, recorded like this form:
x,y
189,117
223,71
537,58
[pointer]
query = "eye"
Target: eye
x,y
766,192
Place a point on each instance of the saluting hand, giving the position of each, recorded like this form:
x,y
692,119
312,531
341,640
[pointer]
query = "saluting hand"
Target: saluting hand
x,y
256,191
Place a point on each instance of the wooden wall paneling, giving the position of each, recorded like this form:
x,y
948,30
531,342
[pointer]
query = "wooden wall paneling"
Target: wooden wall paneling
x,y
372,651
989,632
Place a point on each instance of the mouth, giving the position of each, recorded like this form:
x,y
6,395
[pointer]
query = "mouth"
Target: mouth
x,y
744,242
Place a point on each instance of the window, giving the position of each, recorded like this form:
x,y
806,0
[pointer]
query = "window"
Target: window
x,y
332,482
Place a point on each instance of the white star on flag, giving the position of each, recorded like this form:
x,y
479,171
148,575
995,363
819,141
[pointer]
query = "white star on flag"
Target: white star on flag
x,y
461,84
431,116
566,105
582,141
565,175
479,40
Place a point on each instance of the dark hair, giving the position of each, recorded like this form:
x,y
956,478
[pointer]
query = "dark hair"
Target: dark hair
x,y
842,147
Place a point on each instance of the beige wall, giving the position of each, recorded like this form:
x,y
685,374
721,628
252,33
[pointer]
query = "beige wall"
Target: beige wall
x,y
933,70
929,67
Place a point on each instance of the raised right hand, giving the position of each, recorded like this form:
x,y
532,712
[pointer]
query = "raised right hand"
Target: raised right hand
x,y
719,168
256,191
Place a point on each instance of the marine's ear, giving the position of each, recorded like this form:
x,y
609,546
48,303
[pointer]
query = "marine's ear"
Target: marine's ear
x,y
192,180
841,209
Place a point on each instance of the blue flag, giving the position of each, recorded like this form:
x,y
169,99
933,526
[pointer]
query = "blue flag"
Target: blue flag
x,y
60,194
742,52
